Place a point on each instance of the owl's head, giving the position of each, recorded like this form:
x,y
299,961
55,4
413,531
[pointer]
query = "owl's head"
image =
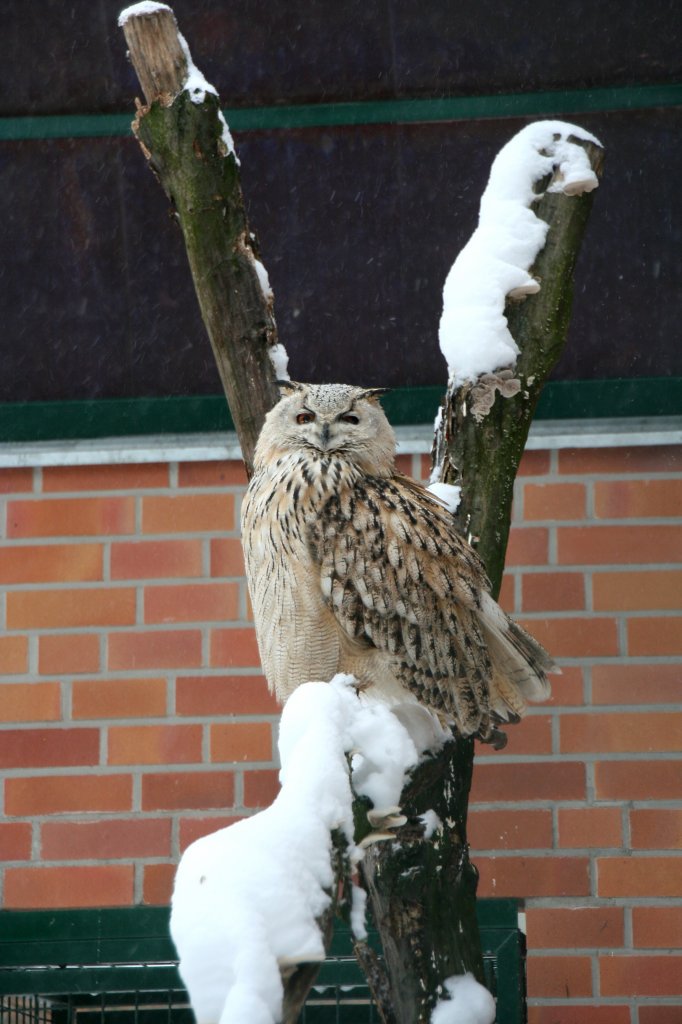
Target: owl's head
x,y
329,420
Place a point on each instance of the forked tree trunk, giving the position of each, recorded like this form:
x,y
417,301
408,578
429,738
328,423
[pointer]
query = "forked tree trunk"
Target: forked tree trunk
x,y
422,891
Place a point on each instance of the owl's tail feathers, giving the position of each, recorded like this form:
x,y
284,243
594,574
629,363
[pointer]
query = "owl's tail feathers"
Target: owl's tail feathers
x,y
520,664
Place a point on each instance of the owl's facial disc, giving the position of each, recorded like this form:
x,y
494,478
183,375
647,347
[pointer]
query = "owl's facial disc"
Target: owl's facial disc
x,y
326,429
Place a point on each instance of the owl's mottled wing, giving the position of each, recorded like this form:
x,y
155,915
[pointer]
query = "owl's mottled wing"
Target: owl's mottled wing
x,y
397,576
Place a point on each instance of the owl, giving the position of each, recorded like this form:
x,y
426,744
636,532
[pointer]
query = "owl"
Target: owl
x,y
354,568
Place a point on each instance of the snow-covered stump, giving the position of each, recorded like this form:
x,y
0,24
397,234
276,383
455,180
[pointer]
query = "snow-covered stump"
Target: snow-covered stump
x,y
187,143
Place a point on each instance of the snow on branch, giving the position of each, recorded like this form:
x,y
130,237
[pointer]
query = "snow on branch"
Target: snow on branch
x,y
138,10
248,898
494,265
466,1002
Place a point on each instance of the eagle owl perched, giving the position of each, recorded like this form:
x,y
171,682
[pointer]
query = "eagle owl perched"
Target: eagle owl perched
x,y
354,568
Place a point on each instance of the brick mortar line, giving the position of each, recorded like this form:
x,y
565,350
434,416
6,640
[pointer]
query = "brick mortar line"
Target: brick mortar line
x,y
581,757
97,675
586,522
40,586
139,490
607,476
77,539
171,697
605,613
237,491
580,852
135,536
139,624
628,929
134,771
89,862
621,951
206,560
554,472
592,568
66,702
599,902
133,627
494,806
180,718
175,838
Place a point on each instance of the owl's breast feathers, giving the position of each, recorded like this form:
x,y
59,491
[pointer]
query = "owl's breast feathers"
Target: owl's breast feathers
x,y
384,558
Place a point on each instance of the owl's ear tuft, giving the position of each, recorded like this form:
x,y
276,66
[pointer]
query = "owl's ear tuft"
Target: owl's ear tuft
x,y
374,393
289,385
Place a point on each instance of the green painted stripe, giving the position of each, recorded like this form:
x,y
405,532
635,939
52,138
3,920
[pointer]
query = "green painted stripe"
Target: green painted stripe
x,y
325,115
129,417
65,126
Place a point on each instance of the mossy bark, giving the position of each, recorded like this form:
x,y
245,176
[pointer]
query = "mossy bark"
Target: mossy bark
x,y
483,457
184,144
423,891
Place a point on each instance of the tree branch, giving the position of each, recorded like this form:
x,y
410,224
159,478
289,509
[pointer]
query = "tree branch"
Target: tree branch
x,y
187,145
482,456
423,891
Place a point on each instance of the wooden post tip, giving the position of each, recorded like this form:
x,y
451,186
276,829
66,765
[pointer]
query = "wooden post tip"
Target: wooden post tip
x,y
145,7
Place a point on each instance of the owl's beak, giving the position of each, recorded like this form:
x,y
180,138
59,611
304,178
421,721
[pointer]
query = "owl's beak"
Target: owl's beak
x,y
325,434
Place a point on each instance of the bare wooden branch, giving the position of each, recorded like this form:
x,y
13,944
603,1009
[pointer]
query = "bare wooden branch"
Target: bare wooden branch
x,y
188,148
156,53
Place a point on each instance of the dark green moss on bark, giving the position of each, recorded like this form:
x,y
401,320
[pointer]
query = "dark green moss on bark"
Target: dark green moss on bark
x,y
423,891
184,146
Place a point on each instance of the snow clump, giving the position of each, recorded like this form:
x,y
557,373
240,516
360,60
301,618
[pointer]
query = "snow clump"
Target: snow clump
x,y
247,898
495,262
136,10
468,1002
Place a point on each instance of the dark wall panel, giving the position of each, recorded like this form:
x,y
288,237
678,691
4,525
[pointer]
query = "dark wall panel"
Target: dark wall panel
x,y
358,226
69,56
358,229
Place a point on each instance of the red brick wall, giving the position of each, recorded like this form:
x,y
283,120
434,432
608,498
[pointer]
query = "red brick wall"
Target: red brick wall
x,y
133,716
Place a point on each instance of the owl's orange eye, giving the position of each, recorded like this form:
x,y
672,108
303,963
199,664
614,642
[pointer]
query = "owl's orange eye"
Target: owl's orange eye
x,y
305,417
349,418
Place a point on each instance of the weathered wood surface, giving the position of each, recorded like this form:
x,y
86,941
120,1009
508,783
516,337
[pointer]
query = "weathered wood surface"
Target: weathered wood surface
x,y
185,145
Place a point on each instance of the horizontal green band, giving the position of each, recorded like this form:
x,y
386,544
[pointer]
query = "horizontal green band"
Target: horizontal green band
x,y
129,417
409,111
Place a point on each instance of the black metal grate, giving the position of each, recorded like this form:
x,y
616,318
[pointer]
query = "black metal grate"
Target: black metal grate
x,y
117,967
